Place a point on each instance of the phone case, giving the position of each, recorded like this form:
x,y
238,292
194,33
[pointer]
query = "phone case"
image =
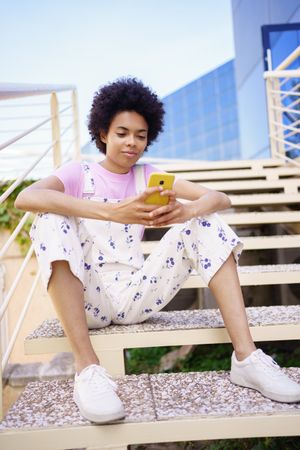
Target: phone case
x,y
165,180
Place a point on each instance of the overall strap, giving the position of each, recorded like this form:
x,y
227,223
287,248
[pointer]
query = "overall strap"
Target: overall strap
x,y
89,183
139,177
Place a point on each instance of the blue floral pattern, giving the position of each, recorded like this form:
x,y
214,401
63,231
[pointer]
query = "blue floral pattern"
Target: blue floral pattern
x,y
119,286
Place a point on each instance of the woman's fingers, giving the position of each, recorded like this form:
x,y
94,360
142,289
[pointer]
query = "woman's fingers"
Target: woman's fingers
x,y
162,210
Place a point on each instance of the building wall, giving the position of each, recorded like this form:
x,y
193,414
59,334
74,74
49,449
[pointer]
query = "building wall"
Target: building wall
x,y
248,17
201,119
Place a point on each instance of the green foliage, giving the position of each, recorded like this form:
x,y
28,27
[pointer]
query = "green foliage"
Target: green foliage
x,y
145,360
206,357
265,443
11,216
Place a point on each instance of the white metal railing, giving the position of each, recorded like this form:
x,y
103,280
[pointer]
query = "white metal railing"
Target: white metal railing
x,y
24,106
283,100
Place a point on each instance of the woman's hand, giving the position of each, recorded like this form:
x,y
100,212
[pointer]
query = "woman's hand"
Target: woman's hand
x,y
134,209
173,212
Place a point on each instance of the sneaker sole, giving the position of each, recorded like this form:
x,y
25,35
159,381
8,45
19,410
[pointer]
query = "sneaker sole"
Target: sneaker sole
x,y
99,419
282,398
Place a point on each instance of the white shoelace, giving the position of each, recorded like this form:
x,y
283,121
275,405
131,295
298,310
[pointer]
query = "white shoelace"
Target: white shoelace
x,y
269,365
98,378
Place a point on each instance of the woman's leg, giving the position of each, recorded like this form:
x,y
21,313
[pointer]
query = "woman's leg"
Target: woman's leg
x,y
71,279
226,289
62,264
202,245
66,292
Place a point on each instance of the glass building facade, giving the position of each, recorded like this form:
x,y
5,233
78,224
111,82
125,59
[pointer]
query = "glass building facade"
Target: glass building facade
x,y
201,120
260,25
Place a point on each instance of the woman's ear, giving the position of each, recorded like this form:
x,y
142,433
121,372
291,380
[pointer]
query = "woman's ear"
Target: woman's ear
x,y
102,136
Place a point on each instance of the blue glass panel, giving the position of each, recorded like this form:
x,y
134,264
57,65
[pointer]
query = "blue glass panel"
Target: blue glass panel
x,y
197,144
208,86
177,119
228,115
179,134
227,98
210,122
231,149
229,132
194,129
194,113
210,106
283,43
211,139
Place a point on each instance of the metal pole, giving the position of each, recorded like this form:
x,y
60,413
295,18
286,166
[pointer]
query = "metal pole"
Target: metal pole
x,y
3,330
55,130
76,124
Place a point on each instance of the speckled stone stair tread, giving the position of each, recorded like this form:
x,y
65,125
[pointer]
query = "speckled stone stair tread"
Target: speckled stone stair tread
x,y
50,403
187,319
147,398
270,268
178,395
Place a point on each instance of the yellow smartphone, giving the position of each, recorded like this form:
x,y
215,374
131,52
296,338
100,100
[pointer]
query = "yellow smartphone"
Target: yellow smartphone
x,y
165,180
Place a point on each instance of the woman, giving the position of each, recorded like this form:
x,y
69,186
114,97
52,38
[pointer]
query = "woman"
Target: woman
x,y
87,238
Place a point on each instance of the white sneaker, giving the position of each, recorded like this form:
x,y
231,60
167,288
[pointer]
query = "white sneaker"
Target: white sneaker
x,y
259,371
95,395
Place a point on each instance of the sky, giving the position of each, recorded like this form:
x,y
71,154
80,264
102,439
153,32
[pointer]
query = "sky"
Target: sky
x,y
165,43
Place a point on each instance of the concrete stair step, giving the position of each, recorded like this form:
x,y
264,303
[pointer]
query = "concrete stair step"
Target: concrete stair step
x,y
264,199
196,327
159,408
237,174
258,275
287,185
193,166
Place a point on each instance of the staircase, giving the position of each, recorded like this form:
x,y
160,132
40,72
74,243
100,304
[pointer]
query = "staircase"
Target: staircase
x,y
170,407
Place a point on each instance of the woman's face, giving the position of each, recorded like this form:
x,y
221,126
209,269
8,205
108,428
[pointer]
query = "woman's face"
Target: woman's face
x,y
125,141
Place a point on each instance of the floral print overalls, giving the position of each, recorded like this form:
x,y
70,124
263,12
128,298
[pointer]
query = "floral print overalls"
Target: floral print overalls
x,y
119,285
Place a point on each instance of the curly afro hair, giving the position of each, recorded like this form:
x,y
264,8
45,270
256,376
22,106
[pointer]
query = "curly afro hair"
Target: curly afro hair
x,y
124,94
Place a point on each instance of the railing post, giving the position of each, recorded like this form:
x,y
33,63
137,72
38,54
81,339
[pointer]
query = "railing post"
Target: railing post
x,y
1,343
55,130
1,385
274,116
278,116
76,124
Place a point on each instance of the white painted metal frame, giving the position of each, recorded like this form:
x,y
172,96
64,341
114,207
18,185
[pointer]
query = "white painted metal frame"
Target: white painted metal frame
x,y
118,436
276,94
12,91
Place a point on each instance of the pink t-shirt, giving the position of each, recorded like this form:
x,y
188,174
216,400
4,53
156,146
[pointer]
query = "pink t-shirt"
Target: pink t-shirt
x,y
107,184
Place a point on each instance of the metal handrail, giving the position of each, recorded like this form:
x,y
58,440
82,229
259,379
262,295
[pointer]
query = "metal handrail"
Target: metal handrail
x,y
21,178
28,131
286,158
294,73
12,289
18,90
13,91
289,144
285,127
282,107
287,93
289,59
20,321
14,234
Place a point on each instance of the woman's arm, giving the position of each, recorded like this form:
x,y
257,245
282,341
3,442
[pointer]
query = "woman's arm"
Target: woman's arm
x,y
202,202
48,195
